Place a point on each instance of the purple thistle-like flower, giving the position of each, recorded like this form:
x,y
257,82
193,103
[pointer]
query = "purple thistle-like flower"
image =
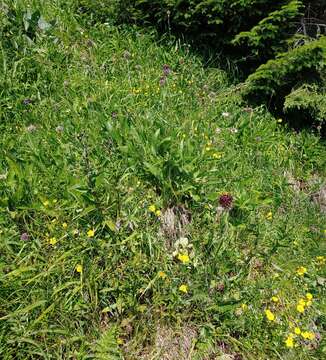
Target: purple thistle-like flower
x,y
226,201
162,81
27,101
24,236
166,70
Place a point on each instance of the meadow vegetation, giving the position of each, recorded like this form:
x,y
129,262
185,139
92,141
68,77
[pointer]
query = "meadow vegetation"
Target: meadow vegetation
x,y
146,210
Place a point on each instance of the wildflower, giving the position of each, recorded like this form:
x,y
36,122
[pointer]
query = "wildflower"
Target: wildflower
x,y
275,299
308,335
52,241
218,131
161,274
321,260
158,213
279,121
31,128
65,225
309,296
244,307
301,270
119,341
162,81
79,268
27,101
297,331
269,315
225,201
225,114
183,288
90,233
289,342
184,258
217,155
300,308
233,130
269,216
59,129
46,203
308,303
302,302
24,236
166,70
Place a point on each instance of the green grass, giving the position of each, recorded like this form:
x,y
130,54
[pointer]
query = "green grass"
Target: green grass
x,y
107,142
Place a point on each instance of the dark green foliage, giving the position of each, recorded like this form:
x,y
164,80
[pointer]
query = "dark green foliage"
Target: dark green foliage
x,y
278,76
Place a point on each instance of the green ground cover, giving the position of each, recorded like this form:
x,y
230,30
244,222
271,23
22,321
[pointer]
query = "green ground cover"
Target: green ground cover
x,y
117,239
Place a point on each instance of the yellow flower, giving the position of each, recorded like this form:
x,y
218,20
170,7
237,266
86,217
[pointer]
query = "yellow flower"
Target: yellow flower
x,y
308,335
184,258
217,155
183,288
309,302
289,342
270,316
302,302
46,203
269,216
275,299
300,308
119,341
309,296
321,260
161,274
158,213
244,307
297,330
279,121
52,241
152,208
301,270
90,233
65,225
79,268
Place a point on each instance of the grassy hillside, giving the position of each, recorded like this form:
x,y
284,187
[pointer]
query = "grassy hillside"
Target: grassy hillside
x,y
145,213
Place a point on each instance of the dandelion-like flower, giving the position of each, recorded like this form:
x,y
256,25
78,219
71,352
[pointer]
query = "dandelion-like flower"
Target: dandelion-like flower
x,y
184,258
183,288
289,342
297,330
308,335
275,299
161,275
53,241
300,308
301,270
152,208
269,315
309,296
64,225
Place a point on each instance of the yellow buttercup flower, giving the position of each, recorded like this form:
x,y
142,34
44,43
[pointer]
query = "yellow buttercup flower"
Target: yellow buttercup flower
x,y
308,303
269,216
244,307
79,268
183,288
309,296
321,260
184,258
270,316
65,225
301,270
300,308
158,213
275,299
302,302
297,330
90,233
289,342
46,203
308,335
52,241
152,208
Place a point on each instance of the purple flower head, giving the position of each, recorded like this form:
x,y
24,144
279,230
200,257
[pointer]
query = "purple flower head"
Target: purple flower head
x,y
226,201
162,81
24,236
166,70
27,101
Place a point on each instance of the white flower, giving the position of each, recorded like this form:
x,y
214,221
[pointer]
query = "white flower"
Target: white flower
x,y
225,114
